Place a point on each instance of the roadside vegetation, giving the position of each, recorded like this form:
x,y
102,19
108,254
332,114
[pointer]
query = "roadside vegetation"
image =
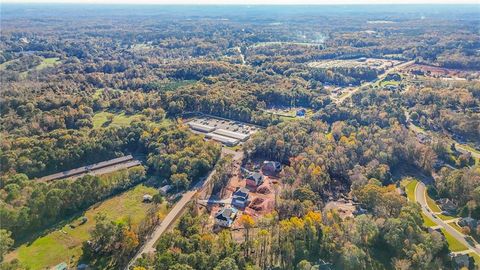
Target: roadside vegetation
x,y
432,204
410,186
453,244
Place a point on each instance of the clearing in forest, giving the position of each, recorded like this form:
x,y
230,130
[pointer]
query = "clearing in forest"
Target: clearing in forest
x,y
65,244
103,119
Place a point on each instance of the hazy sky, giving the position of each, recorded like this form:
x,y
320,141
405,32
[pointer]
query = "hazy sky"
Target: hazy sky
x,y
250,2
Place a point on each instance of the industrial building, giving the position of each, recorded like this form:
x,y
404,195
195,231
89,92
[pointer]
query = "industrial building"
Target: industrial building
x,y
200,127
223,139
232,134
128,162
225,131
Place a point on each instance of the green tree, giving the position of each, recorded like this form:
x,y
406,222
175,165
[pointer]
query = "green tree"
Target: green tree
x,y
227,264
6,242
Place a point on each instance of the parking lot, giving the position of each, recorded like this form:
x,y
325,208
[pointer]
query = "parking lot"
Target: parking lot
x,y
373,63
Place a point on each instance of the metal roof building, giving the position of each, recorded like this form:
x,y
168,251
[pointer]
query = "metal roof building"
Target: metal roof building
x,y
232,134
223,139
200,127
84,169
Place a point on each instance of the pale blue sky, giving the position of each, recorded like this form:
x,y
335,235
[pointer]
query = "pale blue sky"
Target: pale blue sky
x,y
250,2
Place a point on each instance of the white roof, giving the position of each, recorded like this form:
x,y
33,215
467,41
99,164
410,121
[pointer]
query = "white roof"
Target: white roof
x,y
201,127
166,188
233,134
221,138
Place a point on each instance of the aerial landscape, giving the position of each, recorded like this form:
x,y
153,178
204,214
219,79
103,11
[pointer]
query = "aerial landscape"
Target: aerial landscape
x,y
239,137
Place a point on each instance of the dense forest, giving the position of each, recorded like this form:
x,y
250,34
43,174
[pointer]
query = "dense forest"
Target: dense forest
x,y
92,84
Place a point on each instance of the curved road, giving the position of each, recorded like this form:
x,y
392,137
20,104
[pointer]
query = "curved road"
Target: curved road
x,y
379,78
420,197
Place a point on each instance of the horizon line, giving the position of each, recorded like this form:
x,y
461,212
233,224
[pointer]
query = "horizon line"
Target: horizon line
x,y
253,3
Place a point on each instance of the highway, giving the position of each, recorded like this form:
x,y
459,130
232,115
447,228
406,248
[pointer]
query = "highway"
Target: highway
x,y
176,211
420,197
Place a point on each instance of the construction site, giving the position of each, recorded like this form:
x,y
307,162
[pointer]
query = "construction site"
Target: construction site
x,y
252,190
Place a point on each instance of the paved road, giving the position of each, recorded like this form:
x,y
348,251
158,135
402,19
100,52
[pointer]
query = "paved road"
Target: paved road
x,y
380,77
459,147
420,197
149,246
463,149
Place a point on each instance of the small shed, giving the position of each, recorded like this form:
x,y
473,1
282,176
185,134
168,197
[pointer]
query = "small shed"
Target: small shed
x,y
165,189
147,198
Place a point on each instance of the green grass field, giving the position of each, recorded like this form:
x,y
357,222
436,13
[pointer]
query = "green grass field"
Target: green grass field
x,y
65,244
119,120
235,148
5,64
432,205
444,217
453,244
427,221
475,257
386,83
455,226
410,189
468,148
48,62
97,93
174,85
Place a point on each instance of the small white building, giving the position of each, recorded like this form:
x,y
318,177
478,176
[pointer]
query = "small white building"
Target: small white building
x,y
222,139
232,134
165,189
147,198
201,127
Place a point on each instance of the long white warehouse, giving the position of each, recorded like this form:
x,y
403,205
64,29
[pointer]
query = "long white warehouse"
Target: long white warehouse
x,y
219,138
200,127
232,134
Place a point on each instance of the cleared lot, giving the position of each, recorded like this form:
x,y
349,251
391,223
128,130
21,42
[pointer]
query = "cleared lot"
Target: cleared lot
x,y
379,64
64,243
